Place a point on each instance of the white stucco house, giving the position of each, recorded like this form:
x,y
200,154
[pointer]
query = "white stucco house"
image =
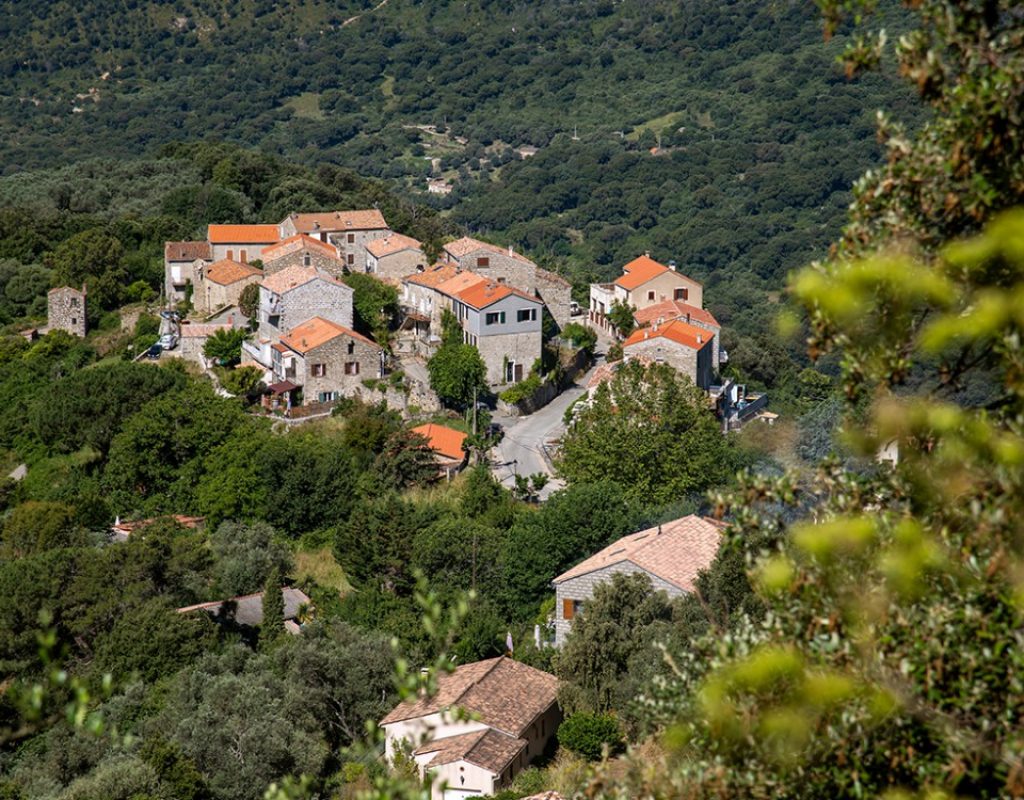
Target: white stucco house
x,y
515,714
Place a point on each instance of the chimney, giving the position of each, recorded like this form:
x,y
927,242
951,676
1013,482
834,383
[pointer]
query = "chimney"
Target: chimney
x,y
316,225
659,530
700,339
647,253
646,335
231,320
511,252
687,316
672,265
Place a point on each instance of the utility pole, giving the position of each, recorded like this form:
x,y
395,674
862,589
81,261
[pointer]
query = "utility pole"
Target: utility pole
x,y
474,410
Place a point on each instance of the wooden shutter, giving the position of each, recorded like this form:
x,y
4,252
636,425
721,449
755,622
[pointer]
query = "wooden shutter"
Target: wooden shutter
x,y
568,608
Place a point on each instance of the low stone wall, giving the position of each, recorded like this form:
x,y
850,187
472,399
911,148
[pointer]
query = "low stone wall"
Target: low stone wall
x,y
548,390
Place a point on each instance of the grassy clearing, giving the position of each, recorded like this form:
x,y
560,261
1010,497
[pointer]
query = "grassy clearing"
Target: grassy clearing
x,y
320,567
306,105
657,124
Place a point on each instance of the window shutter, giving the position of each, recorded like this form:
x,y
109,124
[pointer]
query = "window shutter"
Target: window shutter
x,y
568,609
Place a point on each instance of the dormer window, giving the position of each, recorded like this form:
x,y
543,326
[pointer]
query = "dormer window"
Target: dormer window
x,y
307,260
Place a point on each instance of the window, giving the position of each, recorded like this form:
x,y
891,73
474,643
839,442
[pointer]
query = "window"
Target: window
x,y
526,315
74,320
650,295
243,256
307,260
495,318
351,367
682,294
351,258
231,255
318,370
74,302
501,280
483,261
327,397
351,238
351,348
568,608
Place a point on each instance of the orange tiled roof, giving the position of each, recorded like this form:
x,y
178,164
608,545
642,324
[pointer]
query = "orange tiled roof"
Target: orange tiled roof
x,y
186,251
676,552
507,695
393,243
675,331
444,440
459,282
434,276
295,275
361,220
317,331
483,294
226,272
466,245
639,271
673,309
242,234
299,241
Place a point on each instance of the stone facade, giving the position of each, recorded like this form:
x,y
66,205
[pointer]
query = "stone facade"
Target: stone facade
x,y
501,266
670,285
510,356
319,297
181,259
211,293
395,266
65,310
336,368
352,246
306,257
698,365
570,595
556,292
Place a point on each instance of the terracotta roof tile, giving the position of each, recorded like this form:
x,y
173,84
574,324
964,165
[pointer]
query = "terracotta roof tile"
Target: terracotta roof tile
x,y
459,282
393,243
444,440
242,234
676,552
226,272
673,309
187,251
296,243
505,694
482,295
295,275
676,331
360,220
317,331
485,748
434,276
461,248
639,271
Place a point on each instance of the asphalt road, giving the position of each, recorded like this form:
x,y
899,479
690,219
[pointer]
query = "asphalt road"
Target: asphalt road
x,y
521,449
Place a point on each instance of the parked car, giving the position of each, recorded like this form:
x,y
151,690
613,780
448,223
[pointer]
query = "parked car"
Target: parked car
x,y
169,341
574,309
154,351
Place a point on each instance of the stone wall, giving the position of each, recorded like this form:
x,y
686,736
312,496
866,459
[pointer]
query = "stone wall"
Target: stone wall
x,y
496,351
209,296
582,587
306,257
335,355
396,266
515,271
65,310
556,292
316,298
352,246
697,365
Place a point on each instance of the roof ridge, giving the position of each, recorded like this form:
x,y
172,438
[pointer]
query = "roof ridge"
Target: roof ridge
x,y
473,684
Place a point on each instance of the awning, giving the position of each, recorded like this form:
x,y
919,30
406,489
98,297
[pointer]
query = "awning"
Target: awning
x,y
282,388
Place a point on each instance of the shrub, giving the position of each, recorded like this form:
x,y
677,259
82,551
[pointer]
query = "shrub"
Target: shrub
x,y
522,390
587,734
580,336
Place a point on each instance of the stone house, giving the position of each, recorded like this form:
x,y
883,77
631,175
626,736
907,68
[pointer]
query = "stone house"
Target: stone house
x,y
505,265
644,282
192,339
685,347
515,716
447,445
65,310
394,256
670,310
295,294
326,360
348,231
242,243
420,301
180,262
672,555
220,284
504,324
303,251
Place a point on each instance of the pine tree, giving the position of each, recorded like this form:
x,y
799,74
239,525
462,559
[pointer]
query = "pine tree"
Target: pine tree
x,y
272,626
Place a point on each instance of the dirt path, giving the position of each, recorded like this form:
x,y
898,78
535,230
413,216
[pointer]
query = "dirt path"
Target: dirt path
x,y
357,17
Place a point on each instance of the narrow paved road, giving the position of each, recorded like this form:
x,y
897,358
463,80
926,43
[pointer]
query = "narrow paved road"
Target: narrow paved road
x,y
521,451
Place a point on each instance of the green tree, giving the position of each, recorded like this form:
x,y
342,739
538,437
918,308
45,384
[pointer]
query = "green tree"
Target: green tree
x,y
249,303
272,627
457,374
35,527
225,346
375,304
610,637
94,258
244,555
650,430
620,315
588,735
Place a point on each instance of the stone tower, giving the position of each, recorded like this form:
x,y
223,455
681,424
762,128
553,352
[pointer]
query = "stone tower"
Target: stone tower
x,y
66,310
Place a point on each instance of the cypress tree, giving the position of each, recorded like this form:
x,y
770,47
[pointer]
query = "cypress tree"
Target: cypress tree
x,y
272,626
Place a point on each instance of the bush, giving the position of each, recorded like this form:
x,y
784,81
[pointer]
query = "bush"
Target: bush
x,y
587,734
522,390
580,336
